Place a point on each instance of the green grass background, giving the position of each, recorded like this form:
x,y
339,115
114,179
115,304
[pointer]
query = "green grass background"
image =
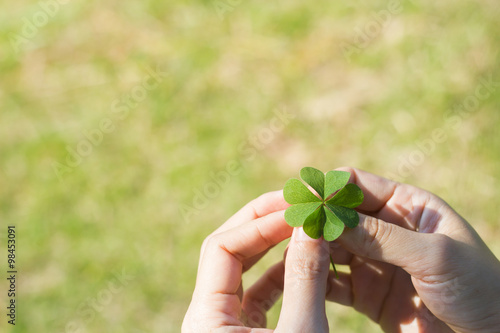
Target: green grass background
x,y
119,209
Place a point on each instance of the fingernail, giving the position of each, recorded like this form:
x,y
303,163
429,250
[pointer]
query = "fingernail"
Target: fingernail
x,y
301,236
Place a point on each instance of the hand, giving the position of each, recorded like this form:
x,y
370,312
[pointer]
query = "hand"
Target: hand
x,y
219,302
416,265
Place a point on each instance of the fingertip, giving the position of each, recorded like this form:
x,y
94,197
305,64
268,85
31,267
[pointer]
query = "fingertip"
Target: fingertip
x,y
306,267
300,235
377,190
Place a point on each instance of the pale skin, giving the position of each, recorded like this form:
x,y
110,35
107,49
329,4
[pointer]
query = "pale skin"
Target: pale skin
x,y
416,266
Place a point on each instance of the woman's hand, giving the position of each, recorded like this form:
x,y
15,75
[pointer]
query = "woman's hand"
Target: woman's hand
x,y
219,302
416,265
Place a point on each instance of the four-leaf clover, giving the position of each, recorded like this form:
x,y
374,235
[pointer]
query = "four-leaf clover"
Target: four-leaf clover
x,y
324,215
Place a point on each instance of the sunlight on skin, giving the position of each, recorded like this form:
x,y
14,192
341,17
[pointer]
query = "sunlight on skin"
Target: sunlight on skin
x,y
410,328
376,269
417,301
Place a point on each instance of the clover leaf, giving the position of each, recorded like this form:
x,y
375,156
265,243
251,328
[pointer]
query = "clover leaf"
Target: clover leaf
x,y
326,213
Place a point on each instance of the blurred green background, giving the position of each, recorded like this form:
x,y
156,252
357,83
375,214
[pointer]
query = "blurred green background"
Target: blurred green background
x,y
102,243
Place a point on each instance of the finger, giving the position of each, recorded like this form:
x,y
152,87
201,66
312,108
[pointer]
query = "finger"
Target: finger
x,y
306,272
377,190
389,243
263,294
394,202
397,309
364,288
410,207
371,282
257,208
340,255
339,290
225,252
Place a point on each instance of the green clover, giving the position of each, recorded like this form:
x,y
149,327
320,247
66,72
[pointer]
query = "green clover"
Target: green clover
x,y
325,215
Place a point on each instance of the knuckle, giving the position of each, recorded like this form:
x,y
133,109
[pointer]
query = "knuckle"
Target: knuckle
x,y
211,241
444,248
440,258
376,235
309,267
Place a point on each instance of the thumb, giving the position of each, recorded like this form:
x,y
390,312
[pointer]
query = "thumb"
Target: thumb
x,y
306,272
390,243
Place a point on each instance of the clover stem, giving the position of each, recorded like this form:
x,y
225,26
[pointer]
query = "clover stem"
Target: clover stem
x,y
334,269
